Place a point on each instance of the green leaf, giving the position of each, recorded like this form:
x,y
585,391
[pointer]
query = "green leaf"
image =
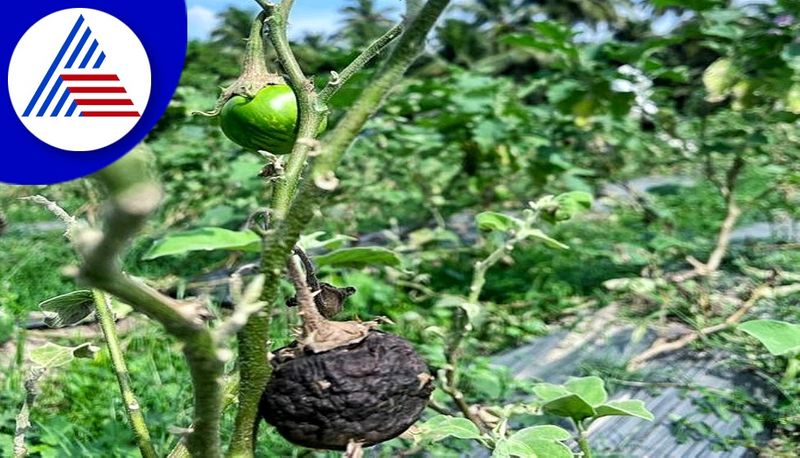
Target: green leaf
x,y
51,355
541,236
628,407
571,405
442,426
780,337
548,391
502,449
592,389
204,239
67,309
359,257
540,441
543,432
791,55
539,448
493,221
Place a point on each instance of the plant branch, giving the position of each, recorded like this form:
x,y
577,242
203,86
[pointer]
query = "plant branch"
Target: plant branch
x,y
133,195
338,80
23,418
310,113
108,326
462,328
583,442
132,408
661,345
732,213
294,201
408,47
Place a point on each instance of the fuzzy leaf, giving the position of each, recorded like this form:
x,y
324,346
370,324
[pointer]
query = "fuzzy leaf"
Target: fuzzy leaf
x,y
203,239
51,355
628,407
780,337
442,426
493,221
543,432
591,389
548,391
571,405
359,257
67,309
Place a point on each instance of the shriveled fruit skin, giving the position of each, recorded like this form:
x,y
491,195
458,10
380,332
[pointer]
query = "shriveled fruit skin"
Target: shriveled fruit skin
x,y
367,392
266,122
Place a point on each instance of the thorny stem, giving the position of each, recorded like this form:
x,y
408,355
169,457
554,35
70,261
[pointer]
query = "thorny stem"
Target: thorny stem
x,y
132,408
23,418
132,197
291,213
109,329
231,386
408,47
309,115
338,80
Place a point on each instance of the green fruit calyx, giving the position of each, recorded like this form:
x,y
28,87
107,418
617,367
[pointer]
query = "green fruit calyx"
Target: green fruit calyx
x,y
259,110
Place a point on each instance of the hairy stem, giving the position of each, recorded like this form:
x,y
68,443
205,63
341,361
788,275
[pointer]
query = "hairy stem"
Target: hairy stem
x,y
23,418
133,195
338,80
294,200
132,408
583,441
409,46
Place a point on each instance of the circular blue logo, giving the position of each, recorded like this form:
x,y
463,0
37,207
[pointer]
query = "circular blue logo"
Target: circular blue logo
x,y
86,82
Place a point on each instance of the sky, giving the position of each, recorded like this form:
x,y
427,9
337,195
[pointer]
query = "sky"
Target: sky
x,y
307,15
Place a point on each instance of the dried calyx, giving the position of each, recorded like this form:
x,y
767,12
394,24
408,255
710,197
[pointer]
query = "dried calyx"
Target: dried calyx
x,y
329,299
255,74
318,333
342,382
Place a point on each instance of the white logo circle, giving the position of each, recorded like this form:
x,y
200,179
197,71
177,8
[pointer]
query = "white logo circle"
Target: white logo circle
x,y
79,79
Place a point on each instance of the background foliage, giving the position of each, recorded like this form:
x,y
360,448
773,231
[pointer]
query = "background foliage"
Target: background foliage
x,y
514,100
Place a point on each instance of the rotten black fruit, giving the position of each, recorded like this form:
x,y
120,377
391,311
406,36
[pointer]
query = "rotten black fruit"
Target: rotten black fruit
x,y
365,392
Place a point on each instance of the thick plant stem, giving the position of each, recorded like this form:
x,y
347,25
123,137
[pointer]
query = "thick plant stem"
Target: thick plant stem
x,y
231,386
133,196
132,407
294,200
583,441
